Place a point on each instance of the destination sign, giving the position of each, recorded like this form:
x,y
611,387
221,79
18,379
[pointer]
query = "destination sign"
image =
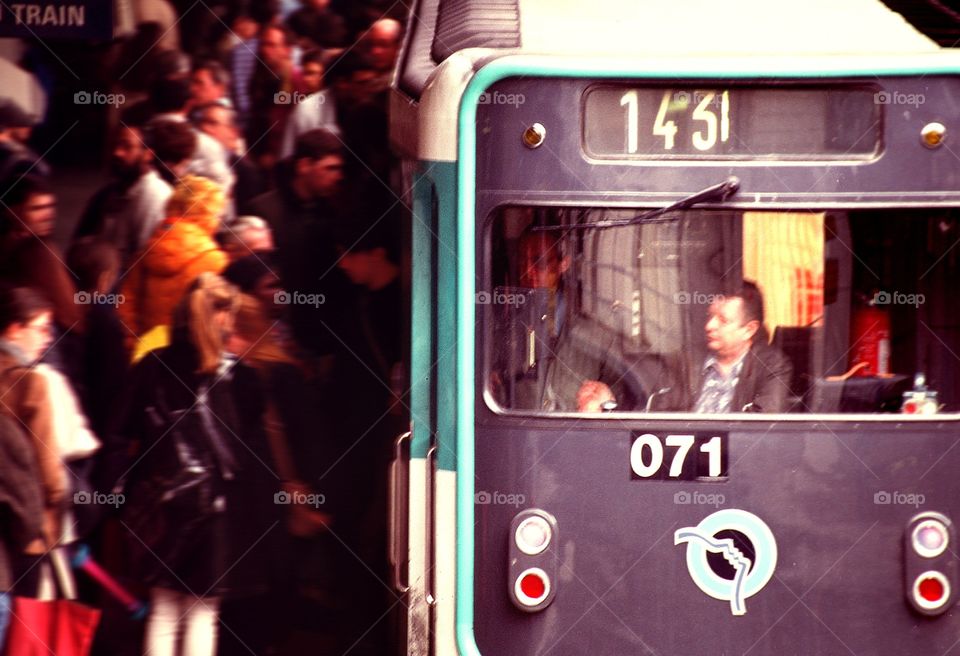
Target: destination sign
x,y
731,122
72,19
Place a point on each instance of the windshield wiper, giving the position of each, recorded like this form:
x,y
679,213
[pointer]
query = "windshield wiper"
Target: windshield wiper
x,y
716,193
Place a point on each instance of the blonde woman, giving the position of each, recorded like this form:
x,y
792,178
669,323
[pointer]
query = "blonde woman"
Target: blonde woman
x,y
189,471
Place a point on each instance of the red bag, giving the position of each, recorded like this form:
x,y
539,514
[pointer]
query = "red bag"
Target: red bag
x,y
44,628
52,627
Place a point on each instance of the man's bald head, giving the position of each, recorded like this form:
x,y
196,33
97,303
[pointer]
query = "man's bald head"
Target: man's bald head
x,y
382,42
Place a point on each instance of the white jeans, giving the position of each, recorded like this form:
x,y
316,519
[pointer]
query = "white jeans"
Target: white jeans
x,y
173,613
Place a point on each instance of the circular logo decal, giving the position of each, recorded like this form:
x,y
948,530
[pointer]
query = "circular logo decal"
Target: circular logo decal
x,y
750,577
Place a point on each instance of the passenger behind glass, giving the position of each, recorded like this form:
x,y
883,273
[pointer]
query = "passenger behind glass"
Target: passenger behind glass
x,y
564,371
742,373
526,328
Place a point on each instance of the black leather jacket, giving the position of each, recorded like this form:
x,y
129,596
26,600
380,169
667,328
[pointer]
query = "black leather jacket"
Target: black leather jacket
x,y
189,486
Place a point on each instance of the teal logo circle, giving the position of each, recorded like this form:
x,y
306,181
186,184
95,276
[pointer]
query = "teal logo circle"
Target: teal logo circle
x,y
750,577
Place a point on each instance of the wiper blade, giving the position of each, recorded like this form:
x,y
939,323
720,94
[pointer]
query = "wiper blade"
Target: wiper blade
x,y
716,193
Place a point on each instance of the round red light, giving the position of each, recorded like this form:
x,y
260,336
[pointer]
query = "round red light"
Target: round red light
x,y
910,408
533,586
931,589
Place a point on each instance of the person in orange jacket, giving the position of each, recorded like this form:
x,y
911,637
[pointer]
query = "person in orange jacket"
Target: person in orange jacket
x,y
181,248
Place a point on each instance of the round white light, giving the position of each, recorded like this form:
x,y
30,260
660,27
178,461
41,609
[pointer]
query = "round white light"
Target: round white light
x,y
930,538
533,535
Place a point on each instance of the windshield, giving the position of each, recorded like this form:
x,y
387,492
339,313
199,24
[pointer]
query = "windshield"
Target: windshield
x,y
722,311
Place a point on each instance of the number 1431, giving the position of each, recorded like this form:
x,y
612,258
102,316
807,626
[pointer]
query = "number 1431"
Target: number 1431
x,y
713,125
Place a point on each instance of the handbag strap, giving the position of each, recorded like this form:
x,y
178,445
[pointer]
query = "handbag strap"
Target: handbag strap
x,y
226,462
56,577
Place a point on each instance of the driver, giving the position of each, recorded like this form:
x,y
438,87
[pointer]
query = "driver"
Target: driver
x,y
742,373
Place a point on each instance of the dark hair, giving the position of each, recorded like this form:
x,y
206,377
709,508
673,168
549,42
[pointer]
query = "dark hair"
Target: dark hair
x,y
288,36
751,305
546,243
170,94
22,189
13,116
246,272
20,305
316,144
312,56
89,258
172,142
169,63
344,66
363,237
264,11
218,73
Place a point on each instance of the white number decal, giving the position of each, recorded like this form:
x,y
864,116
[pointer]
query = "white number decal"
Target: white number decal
x,y
630,99
640,468
701,113
662,127
684,442
725,116
713,449
702,139
647,455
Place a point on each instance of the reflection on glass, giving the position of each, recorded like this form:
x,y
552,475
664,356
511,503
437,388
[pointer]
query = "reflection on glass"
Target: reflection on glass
x,y
721,312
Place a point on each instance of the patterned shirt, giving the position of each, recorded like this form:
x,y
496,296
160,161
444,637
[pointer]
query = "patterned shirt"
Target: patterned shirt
x,y
243,60
717,391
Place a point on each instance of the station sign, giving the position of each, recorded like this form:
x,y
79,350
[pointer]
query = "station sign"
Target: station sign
x,y
70,19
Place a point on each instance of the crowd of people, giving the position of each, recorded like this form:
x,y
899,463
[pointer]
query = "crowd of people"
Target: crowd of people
x,y
203,384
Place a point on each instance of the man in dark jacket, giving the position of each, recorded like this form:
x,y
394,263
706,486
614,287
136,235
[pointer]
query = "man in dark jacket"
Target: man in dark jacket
x,y
369,384
742,373
127,210
302,214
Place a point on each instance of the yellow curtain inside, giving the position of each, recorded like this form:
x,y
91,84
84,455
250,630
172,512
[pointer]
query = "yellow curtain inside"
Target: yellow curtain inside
x,y
783,254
